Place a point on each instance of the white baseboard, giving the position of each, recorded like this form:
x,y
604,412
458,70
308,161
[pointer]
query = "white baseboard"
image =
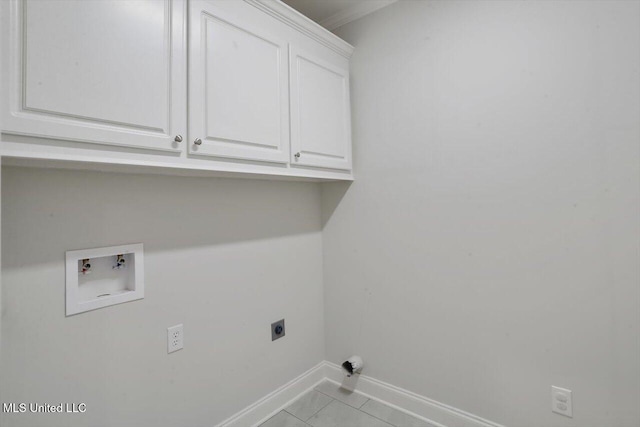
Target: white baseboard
x,y
427,409
260,411
436,413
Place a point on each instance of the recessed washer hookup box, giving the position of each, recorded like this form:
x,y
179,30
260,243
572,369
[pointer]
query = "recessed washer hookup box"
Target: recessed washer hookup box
x,y
101,277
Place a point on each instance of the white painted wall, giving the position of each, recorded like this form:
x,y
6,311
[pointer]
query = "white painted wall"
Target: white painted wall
x,y
489,246
1,311
224,257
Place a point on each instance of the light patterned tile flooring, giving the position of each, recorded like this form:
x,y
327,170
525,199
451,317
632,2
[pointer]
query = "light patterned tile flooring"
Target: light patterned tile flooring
x,y
331,406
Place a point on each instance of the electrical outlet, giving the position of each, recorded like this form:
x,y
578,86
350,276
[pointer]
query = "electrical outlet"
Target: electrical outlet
x,y
561,402
277,330
175,338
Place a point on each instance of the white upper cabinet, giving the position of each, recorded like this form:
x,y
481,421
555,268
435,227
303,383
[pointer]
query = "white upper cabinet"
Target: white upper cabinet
x,y
108,72
178,86
238,86
320,111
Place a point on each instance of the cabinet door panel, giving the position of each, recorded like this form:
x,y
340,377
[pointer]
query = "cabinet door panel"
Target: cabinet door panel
x,y
320,116
237,86
105,71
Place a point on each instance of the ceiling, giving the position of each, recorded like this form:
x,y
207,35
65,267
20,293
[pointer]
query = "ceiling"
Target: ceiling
x,y
335,13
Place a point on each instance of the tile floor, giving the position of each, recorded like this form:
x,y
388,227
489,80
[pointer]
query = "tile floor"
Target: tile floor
x,y
330,406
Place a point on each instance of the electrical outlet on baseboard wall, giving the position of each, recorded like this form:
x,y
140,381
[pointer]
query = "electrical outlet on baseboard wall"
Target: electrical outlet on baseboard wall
x,y
561,402
175,338
277,330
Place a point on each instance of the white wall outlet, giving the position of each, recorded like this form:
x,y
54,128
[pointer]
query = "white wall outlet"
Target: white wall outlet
x,y
175,338
561,402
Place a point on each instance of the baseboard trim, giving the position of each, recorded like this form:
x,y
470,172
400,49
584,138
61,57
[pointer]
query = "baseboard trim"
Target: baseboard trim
x,y
436,413
260,411
427,409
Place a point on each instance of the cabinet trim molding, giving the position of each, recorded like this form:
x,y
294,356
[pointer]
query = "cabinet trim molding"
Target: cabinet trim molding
x,y
306,26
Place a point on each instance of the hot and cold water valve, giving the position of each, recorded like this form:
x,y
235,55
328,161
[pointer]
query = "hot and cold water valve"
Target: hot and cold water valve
x,y
120,262
85,265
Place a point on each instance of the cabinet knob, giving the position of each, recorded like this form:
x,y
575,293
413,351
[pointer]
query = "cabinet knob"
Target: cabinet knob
x,y
178,138
198,141
297,155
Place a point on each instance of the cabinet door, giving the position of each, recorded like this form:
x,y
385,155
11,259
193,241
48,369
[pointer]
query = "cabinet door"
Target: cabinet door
x,y
108,71
238,92
320,116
